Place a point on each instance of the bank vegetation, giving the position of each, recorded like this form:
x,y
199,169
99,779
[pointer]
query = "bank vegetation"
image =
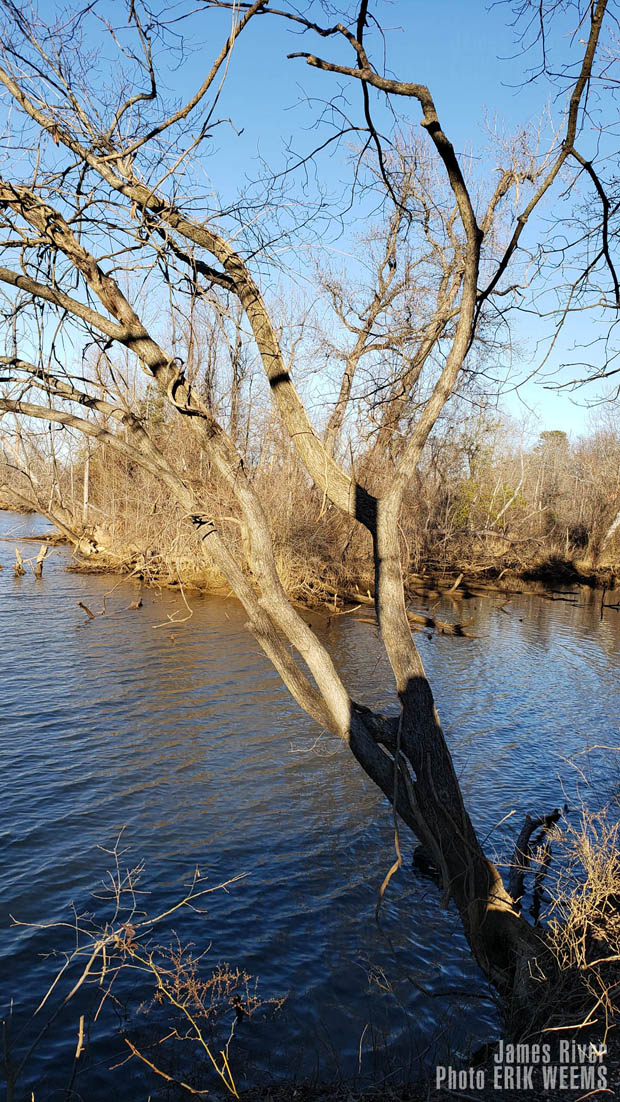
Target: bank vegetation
x,y
491,503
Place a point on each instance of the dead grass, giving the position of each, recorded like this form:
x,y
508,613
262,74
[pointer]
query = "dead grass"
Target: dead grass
x,y
584,917
575,985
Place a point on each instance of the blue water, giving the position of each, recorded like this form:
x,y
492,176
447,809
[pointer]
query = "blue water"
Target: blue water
x,y
169,725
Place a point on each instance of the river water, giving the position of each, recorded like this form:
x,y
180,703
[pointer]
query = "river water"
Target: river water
x,y
171,727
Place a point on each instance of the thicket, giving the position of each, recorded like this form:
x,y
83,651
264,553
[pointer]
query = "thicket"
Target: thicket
x,y
489,497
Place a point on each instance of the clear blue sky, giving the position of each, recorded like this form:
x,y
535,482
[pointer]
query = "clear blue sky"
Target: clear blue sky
x,y
464,50
468,56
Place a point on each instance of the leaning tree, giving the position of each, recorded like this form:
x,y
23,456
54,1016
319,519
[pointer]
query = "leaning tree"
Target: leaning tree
x,y
104,212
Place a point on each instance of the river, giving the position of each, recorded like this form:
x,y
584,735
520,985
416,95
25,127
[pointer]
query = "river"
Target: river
x,y
168,724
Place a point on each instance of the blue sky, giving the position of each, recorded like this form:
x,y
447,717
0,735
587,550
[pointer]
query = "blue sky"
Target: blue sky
x,y
466,53
468,56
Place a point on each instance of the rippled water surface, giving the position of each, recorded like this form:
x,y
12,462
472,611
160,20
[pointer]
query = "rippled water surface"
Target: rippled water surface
x,y
174,727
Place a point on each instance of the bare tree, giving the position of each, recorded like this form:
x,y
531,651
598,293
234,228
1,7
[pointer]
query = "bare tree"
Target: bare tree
x,y
96,210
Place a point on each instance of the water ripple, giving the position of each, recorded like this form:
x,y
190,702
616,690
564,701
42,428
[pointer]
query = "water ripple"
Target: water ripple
x,y
193,746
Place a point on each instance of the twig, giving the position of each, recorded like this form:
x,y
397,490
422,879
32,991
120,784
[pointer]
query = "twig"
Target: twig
x,y
163,1074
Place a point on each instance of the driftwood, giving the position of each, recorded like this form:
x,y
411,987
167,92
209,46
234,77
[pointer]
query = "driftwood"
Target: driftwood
x,y
523,856
373,620
413,617
102,612
38,566
20,539
440,625
19,569
604,604
459,585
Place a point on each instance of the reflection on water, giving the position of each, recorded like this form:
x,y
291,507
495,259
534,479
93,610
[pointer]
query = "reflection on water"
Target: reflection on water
x,y
181,733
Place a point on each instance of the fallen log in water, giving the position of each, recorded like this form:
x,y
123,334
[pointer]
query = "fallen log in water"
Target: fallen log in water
x,y
440,625
373,620
413,617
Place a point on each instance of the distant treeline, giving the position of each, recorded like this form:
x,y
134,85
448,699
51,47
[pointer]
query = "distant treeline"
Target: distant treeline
x,y
482,500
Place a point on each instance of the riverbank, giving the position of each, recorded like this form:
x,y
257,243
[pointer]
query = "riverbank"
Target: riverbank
x,y
547,578
337,571
9,504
